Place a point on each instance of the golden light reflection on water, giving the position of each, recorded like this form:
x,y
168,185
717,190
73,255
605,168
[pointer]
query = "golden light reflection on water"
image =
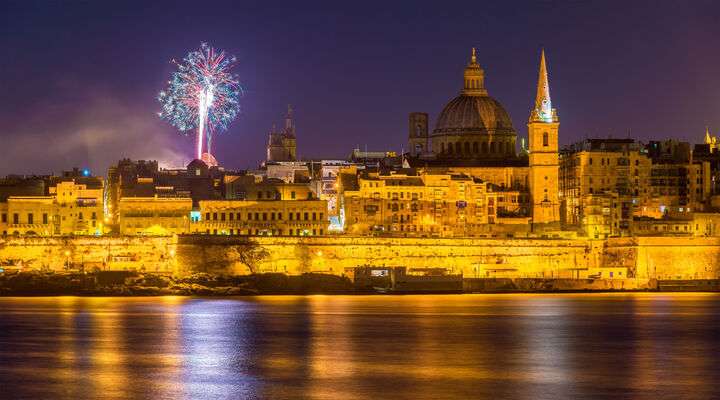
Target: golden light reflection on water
x,y
348,347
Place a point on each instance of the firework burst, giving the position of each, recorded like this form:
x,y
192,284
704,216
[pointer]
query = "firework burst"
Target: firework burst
x,y
202,94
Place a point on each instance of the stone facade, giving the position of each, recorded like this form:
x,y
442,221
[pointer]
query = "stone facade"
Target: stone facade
x,y
262,218
69,208
154,215
406,203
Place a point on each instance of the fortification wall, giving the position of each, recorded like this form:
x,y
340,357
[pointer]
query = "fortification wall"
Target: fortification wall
x,y
669,257
626,258
472,257
89,252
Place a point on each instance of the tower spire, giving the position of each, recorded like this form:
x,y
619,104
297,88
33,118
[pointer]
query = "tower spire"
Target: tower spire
x,y
543,111
707,136
289,125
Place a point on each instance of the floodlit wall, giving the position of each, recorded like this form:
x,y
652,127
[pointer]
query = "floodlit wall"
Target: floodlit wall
x,y
621,258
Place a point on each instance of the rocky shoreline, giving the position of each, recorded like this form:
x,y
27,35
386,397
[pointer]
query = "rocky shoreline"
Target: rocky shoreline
x,y
121,283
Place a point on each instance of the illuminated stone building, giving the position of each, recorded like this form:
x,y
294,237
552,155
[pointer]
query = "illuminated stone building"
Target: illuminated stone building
x,y
405,203
473,124
80,208
264,217
53,205
154,216
474,136
634,183
249,187
601,181
144,179
282,145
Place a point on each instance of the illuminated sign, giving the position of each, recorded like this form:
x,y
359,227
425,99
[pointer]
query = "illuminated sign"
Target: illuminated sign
x,y
379,272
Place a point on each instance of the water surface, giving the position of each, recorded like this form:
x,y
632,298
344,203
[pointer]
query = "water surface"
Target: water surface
x,y
640,346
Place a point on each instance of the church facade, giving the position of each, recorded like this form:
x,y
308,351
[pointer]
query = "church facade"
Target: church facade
x,y
474,136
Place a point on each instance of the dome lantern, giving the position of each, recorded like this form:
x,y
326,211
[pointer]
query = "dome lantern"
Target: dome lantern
x,y
474,78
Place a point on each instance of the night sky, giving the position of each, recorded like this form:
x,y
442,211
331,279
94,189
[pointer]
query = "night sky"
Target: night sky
x,y
79,80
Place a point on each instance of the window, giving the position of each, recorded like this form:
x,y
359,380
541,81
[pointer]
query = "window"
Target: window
x,y
4,218
249,216
222,216
264,216
80,216
306,216
207,216
259,195
314,216
30,218
272,216
545,139
45,218
214,216
279,215
292,195
94,215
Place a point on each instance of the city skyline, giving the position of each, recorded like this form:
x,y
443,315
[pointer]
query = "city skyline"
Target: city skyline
x,y
356,88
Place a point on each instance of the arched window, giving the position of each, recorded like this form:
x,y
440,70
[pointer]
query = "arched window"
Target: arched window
x,y
458,148
493,148
475,147
442,148
450,148
545,139
484,147
467,148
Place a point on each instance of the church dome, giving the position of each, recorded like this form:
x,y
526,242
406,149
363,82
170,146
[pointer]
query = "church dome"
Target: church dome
x,y
473,114
474,125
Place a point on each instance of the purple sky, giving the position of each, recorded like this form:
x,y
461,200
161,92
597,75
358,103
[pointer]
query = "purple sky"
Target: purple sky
x,y
78,80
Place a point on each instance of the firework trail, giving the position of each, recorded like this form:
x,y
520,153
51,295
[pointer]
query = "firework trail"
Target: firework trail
x,y
202,94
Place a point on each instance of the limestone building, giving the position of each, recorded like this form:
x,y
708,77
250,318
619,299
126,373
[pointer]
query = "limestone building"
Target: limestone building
x,y
53,205
410,204
474,136
282,144
262,218
146,216
609,185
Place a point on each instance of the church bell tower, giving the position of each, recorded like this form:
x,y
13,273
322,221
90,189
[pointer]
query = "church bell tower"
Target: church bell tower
x,y
543,155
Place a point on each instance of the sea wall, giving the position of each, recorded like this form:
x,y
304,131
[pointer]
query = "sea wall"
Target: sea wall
x,y
618,258
666,257
155,254
473,257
